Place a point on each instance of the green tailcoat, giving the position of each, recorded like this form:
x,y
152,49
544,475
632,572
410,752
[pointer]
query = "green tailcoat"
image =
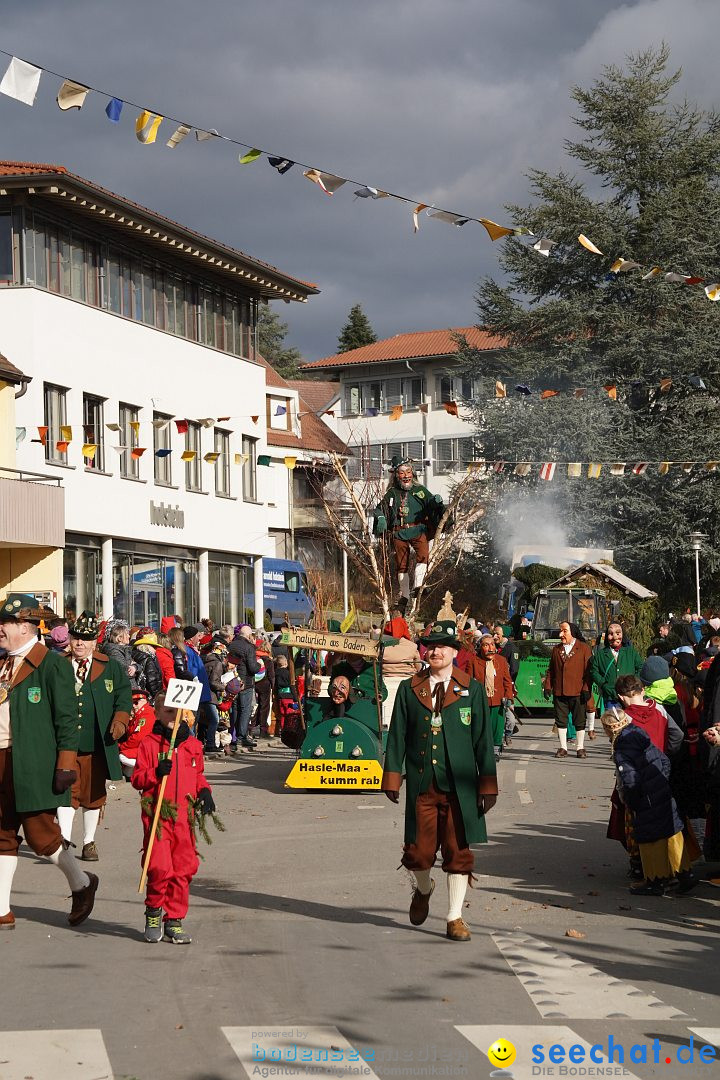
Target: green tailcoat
x,y
468,743
106,695
44,727
606,671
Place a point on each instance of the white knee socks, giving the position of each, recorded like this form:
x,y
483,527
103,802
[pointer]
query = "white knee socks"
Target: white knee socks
x,y
590,718
8,865
457,887
404,583
581,740
66,816
90,824
562,736
76,878
422,877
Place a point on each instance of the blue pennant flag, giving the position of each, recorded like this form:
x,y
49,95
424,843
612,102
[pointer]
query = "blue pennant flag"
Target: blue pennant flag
x,y
113,109
282,165
162,452
280,411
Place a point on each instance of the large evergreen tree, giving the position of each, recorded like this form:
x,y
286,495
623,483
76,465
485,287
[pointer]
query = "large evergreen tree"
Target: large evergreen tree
x,y
650,193
272,332
357,331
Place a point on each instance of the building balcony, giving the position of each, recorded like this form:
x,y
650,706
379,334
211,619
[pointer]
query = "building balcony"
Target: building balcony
x,y
32,510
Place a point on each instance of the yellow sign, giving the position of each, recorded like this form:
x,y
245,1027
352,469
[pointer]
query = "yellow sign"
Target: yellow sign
x,y
352,774
316,639
350,618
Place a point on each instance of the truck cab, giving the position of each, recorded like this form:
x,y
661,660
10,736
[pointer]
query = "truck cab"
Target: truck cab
x,y
286,591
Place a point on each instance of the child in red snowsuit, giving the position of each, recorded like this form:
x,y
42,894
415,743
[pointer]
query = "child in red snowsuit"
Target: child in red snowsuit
x,y
174,860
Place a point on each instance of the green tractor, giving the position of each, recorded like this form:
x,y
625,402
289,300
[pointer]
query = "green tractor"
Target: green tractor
x,y
589,609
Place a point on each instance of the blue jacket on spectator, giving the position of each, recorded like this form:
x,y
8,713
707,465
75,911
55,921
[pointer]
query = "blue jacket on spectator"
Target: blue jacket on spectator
x,y
643,774
196,667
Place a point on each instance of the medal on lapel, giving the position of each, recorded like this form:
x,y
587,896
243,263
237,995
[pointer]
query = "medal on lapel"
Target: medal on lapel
x,y
4,691
436,723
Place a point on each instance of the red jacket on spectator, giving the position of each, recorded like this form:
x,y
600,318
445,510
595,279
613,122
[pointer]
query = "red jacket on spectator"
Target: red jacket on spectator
x,y
141,724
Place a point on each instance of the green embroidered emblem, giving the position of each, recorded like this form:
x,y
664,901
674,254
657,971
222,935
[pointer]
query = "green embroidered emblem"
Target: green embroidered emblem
x,y
109,685
465,717
34,694
338,747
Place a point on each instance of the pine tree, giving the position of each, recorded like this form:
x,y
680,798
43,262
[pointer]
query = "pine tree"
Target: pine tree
x,y
357,331
652,195
271,344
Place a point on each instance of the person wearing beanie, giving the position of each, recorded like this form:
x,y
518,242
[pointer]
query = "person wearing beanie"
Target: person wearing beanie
x,y
643,782
655,677
440,737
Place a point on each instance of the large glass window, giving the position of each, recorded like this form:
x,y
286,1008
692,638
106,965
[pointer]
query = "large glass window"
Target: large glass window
x,y
193,467
128,419
81,581
55,401
93,430
162,441
146,588
451,454
222,465
249,451
6,250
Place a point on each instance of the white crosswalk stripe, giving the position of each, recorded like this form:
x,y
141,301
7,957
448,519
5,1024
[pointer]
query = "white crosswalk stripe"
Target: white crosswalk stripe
x,y
524,1038
708,1035
50,1055
310,1052
560,986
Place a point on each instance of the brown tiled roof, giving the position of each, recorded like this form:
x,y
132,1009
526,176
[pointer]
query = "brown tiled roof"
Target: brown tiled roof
x,y
318,394
314,433
406,346
11,374
35,169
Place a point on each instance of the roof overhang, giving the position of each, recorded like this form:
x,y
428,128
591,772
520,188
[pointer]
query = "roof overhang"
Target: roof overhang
x,y
111,210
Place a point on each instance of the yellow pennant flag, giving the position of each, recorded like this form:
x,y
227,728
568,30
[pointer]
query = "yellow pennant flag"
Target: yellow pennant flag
x,y
594,470
574,470
712,292
180,132
711,466
65,433
495,231
621,266
135,428
188,455
654,272
396,413
664,468
89,450
290,462
211,457
146,126
350,618
588,245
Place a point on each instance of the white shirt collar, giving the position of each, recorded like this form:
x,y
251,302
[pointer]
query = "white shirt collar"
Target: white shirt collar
x,y
25,648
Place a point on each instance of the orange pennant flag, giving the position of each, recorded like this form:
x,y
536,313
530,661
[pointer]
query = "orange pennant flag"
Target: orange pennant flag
x,y
254,419
665,385
396,413
137,451
495,231
43,434
611,390
549,393
450,407
500,389
62,446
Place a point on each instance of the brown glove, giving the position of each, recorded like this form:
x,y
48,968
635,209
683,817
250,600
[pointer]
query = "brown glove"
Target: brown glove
x,y
117,729
393,796
486,802
63,780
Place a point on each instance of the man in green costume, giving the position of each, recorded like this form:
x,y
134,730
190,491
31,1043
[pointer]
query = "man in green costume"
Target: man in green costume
x,y
38,747
410,514
615,658
104,700
441,736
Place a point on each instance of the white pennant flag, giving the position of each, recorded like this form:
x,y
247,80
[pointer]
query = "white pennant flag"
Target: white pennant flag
x,y
21,81
543,246
71,95
178,135
547,471
522,468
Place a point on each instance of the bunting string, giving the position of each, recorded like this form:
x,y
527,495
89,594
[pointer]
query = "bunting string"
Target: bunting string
x,y
22,79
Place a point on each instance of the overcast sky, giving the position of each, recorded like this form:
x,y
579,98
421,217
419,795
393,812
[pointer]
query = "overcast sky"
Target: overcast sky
x,y
449,101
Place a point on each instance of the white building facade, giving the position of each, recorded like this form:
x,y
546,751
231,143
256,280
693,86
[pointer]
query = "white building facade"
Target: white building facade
x,y
139,337
407,397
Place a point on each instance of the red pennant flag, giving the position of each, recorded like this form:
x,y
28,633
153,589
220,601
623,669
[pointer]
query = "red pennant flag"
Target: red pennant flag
x,y
138,451
223,419
450,407
549,393
62,446
182,426
640,468
43,434
547,471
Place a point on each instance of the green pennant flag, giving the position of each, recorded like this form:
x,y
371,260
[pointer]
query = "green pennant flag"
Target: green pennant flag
x,y
263,459
252,155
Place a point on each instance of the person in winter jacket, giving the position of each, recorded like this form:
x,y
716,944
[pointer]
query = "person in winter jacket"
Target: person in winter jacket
x,y
643,779
164,657
148,676
656,678
207,714
242,649
178,649
116,645
264,686
141,723
174,860
649,715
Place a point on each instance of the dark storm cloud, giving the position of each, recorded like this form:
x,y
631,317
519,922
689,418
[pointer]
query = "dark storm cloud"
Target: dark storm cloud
x,y
451,102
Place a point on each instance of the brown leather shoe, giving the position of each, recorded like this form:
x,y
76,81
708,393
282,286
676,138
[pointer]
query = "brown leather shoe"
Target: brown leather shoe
x,y
591,734
458,930
582,753
90,852
7,922
420,905
83,901
560,752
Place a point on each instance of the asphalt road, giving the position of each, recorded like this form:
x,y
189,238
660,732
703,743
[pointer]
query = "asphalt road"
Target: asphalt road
x,y
302,943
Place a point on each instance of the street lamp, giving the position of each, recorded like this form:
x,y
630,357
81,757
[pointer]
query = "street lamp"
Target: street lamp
x,y
696,542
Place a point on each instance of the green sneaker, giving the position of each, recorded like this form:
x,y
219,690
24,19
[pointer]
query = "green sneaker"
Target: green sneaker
x,y
153,924
175,934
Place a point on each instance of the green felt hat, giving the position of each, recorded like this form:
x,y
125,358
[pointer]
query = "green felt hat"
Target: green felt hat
x,y
443,632
85,627
22,607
